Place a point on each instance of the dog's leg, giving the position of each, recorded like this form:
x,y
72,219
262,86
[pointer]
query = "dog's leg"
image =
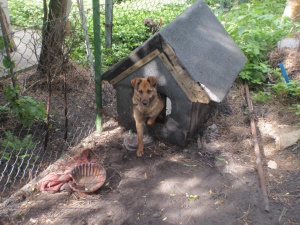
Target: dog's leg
x,y
140,133
151,120
160,107
139,123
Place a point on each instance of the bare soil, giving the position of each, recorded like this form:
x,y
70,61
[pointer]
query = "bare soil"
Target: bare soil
x,y
213,180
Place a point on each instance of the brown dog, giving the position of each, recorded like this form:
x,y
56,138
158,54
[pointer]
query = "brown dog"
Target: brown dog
x,y
147,105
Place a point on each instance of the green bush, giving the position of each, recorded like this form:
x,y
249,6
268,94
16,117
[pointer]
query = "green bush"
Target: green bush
x,y
257,27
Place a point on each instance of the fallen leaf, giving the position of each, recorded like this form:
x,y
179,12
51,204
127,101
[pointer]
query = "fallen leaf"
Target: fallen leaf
x,y
192,198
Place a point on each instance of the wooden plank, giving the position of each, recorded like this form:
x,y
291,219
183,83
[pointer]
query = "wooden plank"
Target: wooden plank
x,y
135,66
193,90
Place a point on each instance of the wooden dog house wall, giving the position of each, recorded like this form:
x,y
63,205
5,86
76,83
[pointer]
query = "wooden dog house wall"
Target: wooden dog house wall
x,y
195,61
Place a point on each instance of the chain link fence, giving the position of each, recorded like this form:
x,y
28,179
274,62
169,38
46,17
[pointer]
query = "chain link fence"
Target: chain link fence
x,y
48,101
45,107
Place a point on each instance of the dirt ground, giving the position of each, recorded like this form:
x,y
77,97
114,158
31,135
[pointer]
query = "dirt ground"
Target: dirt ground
x,y
212,180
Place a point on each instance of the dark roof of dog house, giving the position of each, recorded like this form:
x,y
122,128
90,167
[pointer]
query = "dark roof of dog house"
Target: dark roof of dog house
x,y
200,46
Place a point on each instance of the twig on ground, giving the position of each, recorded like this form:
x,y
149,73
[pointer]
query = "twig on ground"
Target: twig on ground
x,y
284,210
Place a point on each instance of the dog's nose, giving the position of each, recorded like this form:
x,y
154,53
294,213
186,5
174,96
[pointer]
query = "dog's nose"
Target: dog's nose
x,y
145,102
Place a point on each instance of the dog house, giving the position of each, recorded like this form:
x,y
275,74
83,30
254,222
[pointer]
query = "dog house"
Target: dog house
x,y
195,61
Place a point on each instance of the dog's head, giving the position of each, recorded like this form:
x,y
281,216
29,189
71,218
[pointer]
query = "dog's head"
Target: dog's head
x,y
144,89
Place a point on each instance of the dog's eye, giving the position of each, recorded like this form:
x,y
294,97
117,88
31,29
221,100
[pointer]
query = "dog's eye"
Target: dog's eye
x,y
149,91
141,91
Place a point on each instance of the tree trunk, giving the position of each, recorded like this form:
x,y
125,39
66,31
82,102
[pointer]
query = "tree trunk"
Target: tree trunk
x,y
53,36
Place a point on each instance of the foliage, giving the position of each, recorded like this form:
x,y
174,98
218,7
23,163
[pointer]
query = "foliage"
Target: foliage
x,y
128,31
26,14
2,43
291,90
4,110
12,143
25,108
261,96
288,89
257,27
296,108
8,63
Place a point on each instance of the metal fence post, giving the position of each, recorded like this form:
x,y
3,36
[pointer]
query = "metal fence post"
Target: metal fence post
x,y
108,22
97,64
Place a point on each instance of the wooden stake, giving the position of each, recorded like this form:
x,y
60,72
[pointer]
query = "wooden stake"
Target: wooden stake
x,y
259,167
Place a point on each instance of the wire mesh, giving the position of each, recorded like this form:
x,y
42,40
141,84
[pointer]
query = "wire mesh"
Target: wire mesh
x,y
64,86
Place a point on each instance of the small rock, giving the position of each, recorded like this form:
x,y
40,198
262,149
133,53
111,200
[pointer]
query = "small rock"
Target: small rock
x,y
211,133
288,43
186,150
199,143
157,214
131,141
110,213
272,165
33,220
66,187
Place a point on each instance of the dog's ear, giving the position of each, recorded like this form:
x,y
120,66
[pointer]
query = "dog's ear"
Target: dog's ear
x,y
135,82
152,80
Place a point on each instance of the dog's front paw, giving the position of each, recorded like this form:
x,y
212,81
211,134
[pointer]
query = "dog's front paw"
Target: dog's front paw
x,y
150,121
139,153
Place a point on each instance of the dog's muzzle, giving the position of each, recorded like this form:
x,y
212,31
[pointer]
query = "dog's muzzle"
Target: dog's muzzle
x,y
145,102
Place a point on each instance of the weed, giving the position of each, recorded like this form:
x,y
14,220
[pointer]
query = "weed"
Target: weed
x,y
261,96
12,144
25,108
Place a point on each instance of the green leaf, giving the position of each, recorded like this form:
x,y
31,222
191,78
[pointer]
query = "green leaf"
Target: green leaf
x,y
24,156
10,64
2,43
191,198
241,30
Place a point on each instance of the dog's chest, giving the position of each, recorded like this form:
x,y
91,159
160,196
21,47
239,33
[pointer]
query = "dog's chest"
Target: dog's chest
x,y
149,111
